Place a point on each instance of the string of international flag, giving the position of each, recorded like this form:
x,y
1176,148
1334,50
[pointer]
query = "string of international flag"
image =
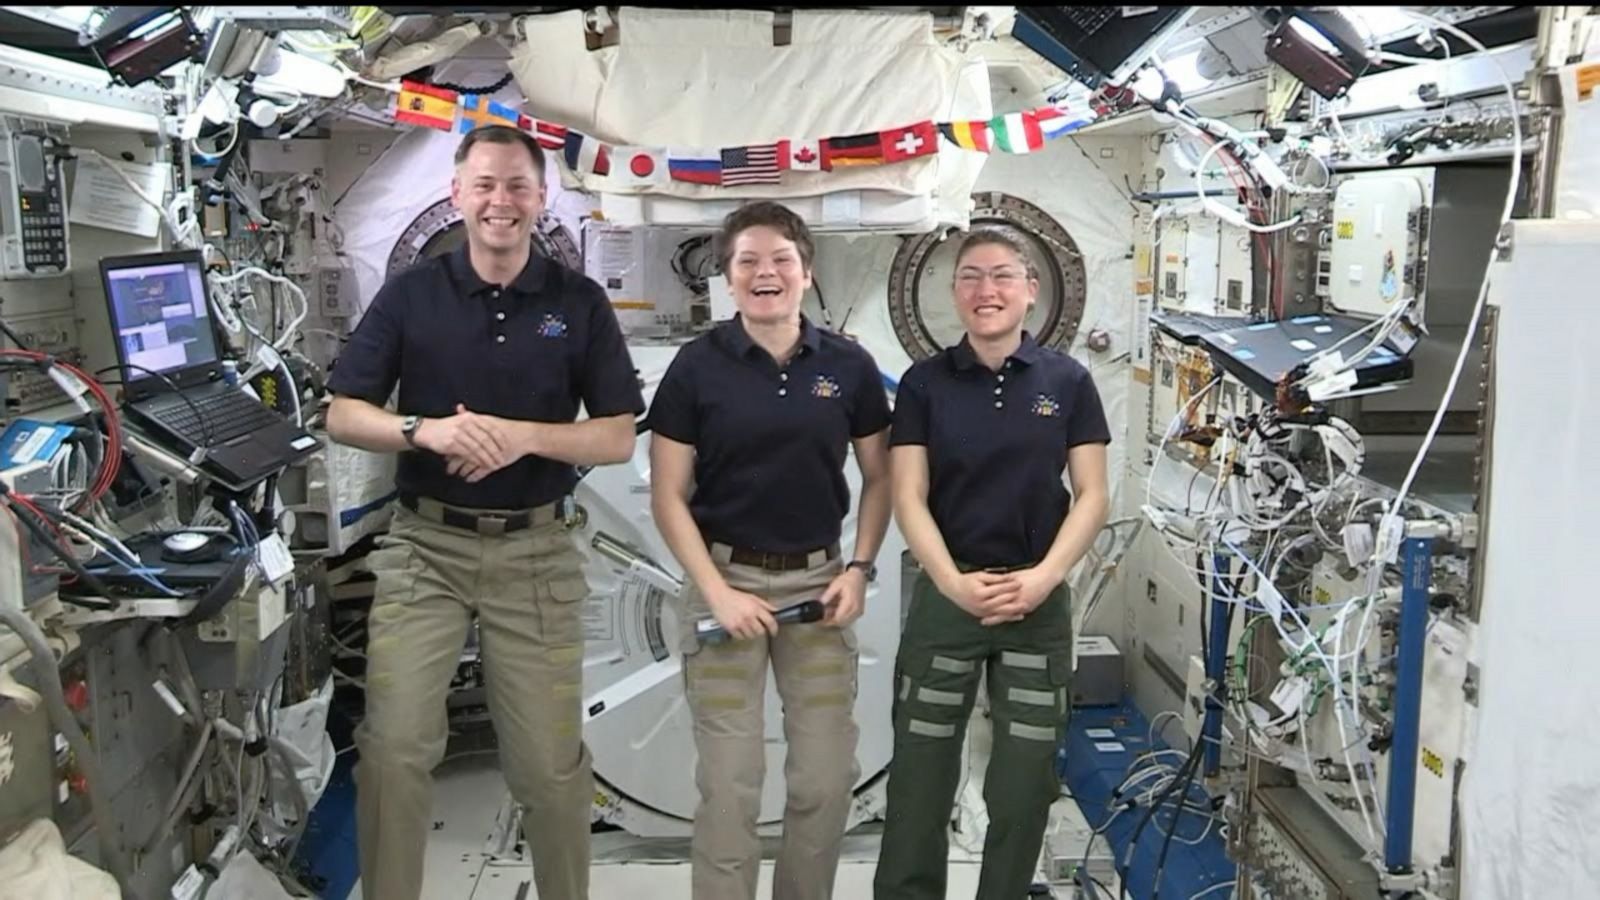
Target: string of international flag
x,y
1019,132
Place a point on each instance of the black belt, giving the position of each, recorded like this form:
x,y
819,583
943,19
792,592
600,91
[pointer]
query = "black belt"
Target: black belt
x,y
779,562
491,524
965,567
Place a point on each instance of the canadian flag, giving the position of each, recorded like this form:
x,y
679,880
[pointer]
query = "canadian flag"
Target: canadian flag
x,y
804,155
639,166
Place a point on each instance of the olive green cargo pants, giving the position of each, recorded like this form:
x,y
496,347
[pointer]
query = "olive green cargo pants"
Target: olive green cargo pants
x,y
943,653
726,686
524,588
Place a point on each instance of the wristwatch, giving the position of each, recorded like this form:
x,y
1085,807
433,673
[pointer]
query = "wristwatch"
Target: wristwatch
x,y
409,429
867,567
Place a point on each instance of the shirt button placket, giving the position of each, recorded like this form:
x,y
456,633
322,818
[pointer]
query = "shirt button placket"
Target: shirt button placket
x,y
999,390
783,377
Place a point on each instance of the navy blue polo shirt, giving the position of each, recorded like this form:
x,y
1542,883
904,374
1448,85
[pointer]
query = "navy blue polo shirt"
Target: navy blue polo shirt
x,y
997,445
530,350
770,440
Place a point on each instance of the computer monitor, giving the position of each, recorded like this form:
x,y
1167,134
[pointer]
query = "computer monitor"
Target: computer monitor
x,y
160,319
1098,44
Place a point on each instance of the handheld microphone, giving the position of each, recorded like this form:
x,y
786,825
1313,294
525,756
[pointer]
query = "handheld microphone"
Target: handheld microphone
x,y
710,631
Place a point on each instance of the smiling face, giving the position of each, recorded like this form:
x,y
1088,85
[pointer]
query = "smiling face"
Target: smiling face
x,y
767,276
993,290
500,193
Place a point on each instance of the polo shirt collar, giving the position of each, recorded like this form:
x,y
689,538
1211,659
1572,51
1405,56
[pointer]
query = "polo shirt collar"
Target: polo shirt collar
x,y
963,357
528,281
738,340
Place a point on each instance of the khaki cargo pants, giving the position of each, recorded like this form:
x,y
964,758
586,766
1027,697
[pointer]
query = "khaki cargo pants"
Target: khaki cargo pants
x,y
726,686
525,588
943,653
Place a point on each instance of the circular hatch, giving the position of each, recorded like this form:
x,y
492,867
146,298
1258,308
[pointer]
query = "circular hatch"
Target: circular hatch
x,y
920,305
438,231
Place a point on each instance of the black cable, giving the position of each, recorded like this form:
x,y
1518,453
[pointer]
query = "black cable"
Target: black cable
x,y
25,515
695,278
463,89
1172,827
21,344
1160,800
206,433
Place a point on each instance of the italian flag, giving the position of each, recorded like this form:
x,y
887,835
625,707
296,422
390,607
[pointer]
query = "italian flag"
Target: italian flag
x,y
1023,132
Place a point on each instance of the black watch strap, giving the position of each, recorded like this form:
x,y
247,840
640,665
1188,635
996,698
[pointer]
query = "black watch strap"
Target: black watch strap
x,y
867,566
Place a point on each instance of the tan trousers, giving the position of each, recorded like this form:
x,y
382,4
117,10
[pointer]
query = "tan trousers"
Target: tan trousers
x,y
726,685
524,588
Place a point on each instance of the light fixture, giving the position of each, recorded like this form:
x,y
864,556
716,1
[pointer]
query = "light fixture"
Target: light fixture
x,y
138,43
1320,48
1148,84
1184,71
1379,24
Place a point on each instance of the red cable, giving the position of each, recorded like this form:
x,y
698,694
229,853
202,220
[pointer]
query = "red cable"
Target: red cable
x,y
112,461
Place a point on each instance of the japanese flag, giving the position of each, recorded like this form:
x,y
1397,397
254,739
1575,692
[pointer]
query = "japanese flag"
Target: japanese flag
x,y
639,166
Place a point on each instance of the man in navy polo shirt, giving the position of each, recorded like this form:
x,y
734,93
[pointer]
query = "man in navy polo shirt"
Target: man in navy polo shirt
x,y
982,433
751,425
493,348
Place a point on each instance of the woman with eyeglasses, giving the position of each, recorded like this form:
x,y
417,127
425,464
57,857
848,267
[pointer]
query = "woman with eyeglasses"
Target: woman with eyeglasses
x,y
982,433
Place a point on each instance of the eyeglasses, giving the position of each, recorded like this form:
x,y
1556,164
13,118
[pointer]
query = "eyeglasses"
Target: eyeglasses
x,y
1003,276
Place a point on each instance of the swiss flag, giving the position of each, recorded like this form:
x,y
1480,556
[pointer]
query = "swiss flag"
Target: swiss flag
x,y
640,166
804,155
901,144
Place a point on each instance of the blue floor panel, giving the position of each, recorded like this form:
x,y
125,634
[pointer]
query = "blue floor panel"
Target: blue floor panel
x,y
1092,766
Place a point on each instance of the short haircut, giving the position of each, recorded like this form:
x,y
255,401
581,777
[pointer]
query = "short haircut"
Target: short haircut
x,y
1004,237
772,215
501,134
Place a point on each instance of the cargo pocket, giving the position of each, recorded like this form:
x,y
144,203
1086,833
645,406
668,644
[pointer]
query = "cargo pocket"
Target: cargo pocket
x,y
1061,683
933,694
562,616
396,566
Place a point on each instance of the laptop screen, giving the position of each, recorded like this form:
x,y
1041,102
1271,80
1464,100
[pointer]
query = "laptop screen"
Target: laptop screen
x,y
160,317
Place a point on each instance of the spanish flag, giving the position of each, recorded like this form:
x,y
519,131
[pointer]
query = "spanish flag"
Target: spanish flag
x,y
425,105
971,135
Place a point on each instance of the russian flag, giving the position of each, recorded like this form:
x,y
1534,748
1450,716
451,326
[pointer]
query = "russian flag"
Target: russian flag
x,y
699,166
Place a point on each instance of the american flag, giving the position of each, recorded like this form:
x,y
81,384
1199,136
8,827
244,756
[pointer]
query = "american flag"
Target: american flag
x,y
750,165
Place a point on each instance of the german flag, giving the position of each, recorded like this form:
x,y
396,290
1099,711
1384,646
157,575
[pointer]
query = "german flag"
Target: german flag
x,y
967,135
855,150
425,105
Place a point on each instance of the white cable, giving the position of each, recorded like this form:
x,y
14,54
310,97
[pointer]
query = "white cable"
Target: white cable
x,y
289,330
1483,289
180,234
294,392
1232,217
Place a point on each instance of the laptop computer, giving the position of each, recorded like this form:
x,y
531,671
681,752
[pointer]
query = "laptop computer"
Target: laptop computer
x,y
167,349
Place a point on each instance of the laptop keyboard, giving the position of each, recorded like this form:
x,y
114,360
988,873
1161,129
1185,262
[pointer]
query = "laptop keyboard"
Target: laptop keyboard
x,y
213,419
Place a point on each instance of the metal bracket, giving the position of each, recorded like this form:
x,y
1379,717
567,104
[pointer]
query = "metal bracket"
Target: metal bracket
x,y
1504,242
1409,882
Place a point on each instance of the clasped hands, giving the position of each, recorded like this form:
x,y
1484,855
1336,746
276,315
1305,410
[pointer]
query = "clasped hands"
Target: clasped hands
x,y
474,444
994,598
